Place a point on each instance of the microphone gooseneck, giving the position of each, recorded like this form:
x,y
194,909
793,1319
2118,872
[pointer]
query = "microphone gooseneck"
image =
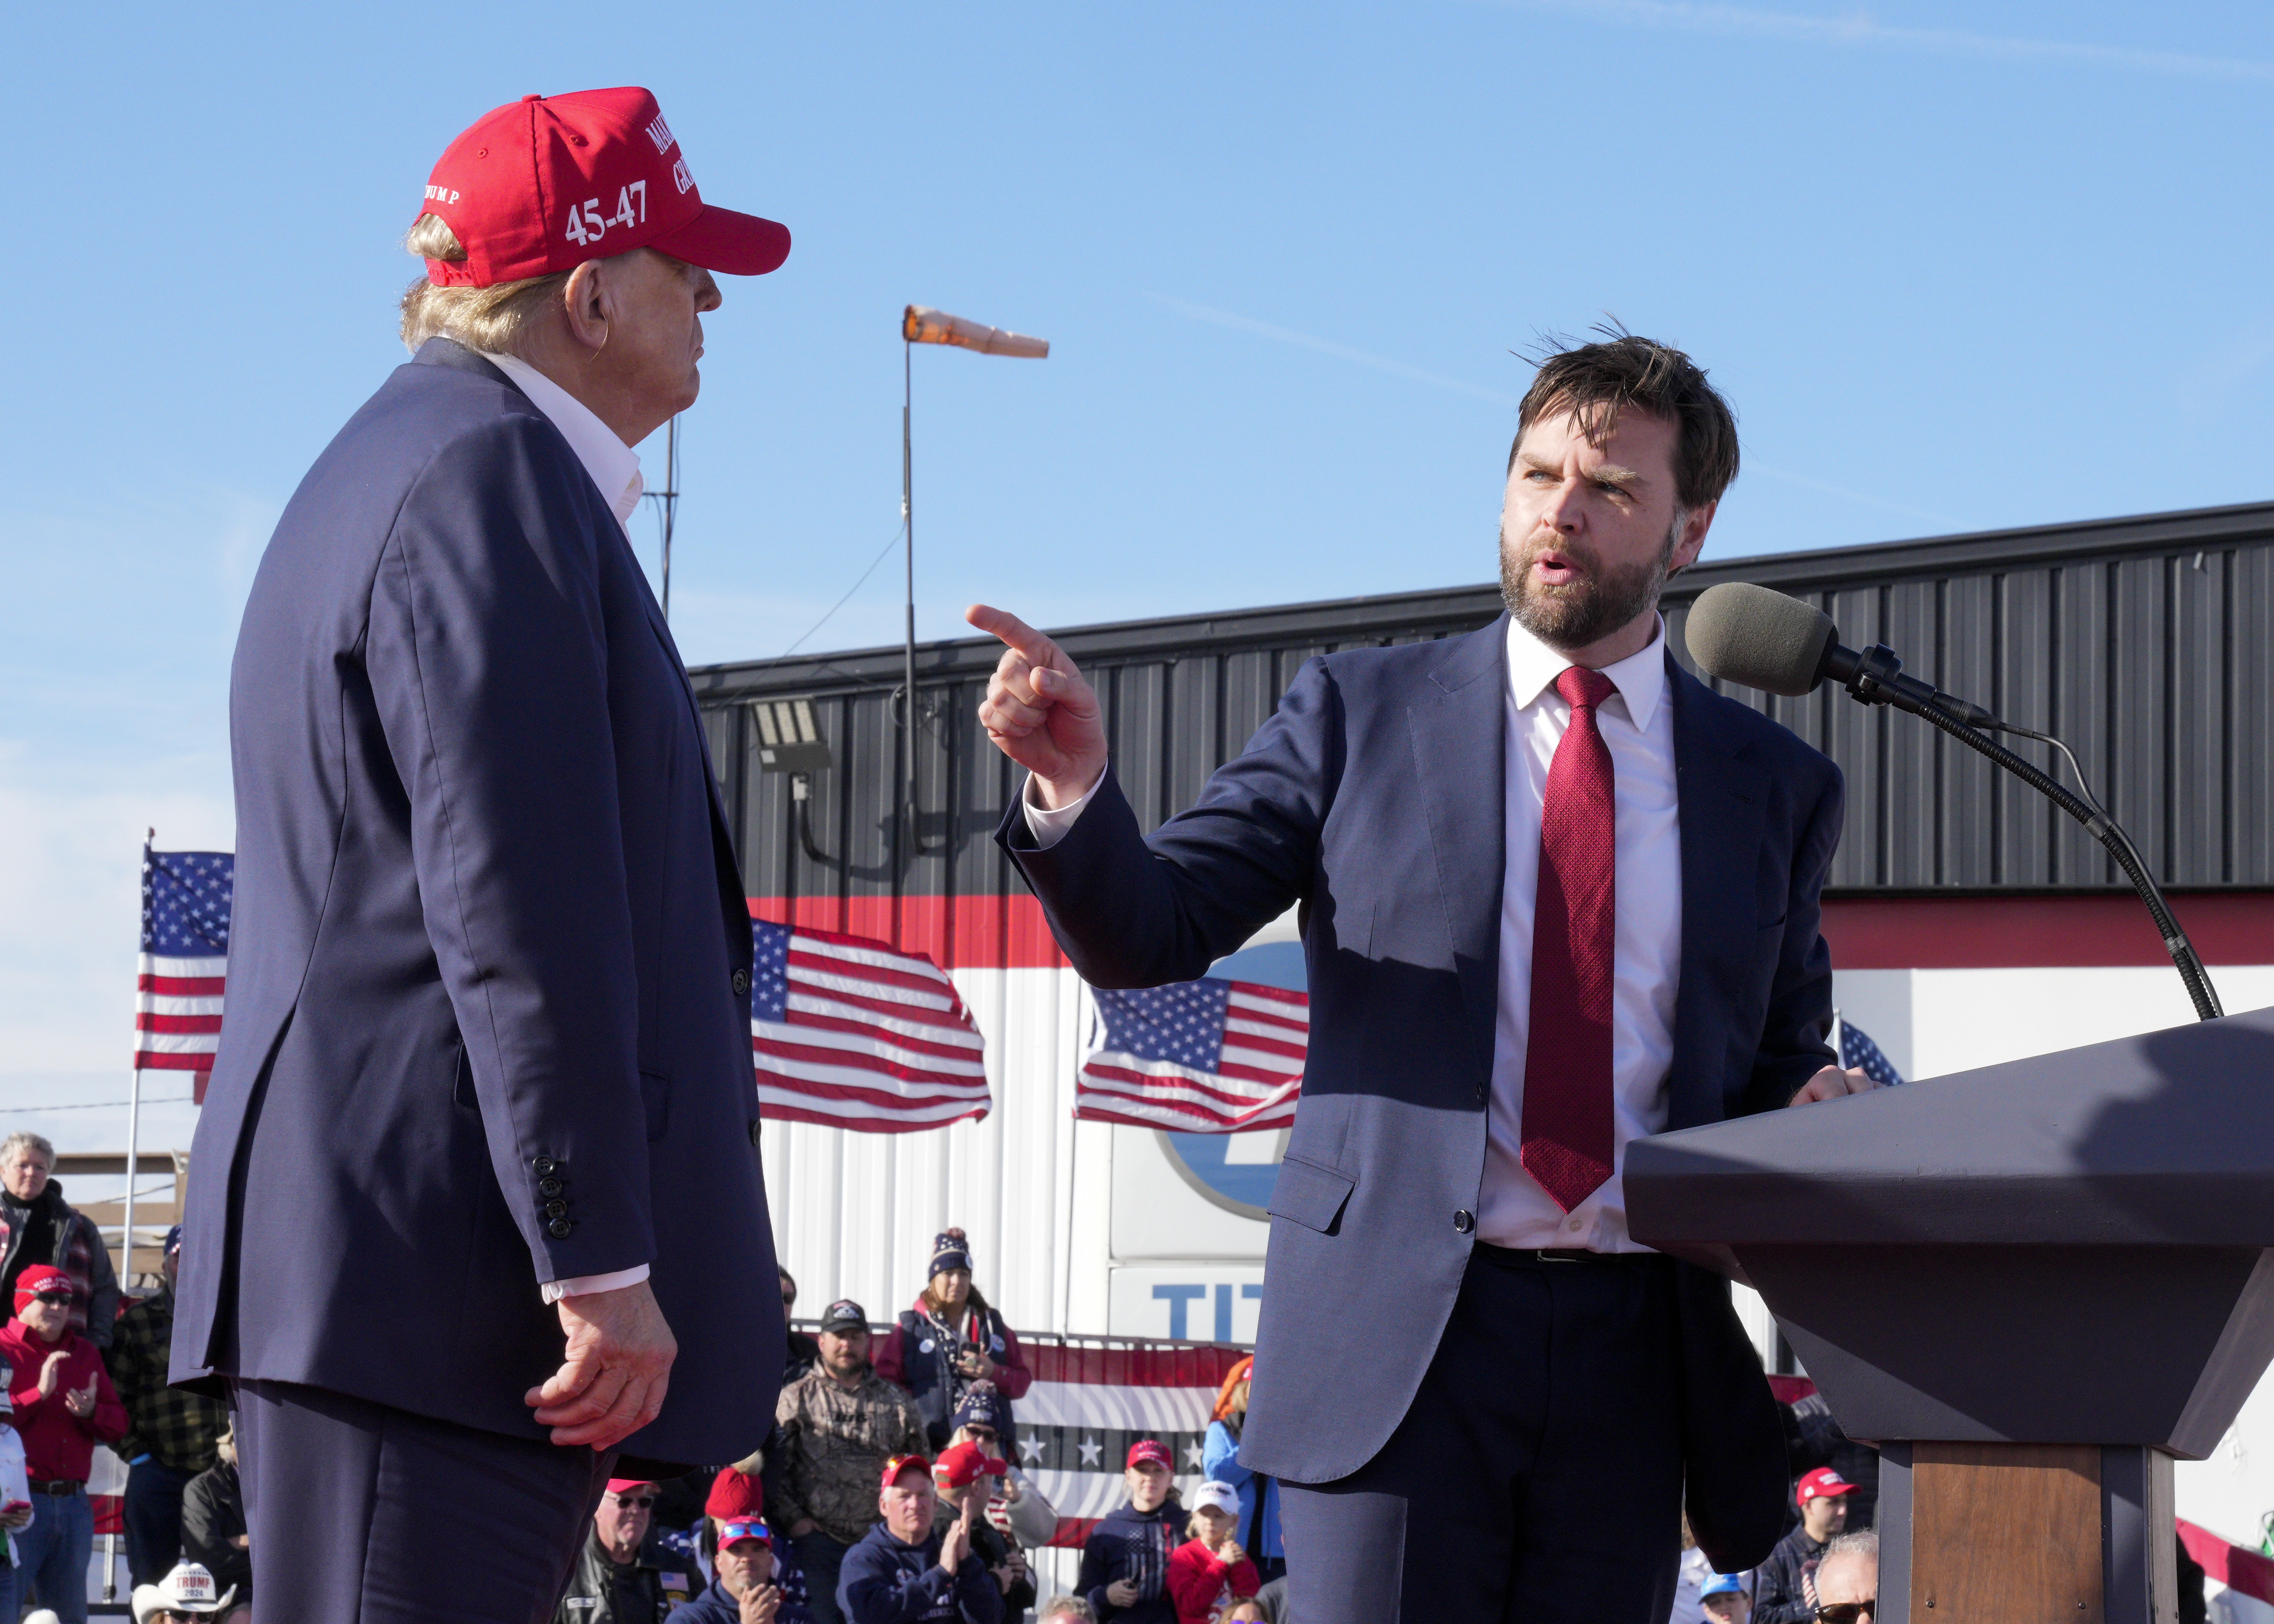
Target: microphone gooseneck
x,y
1749,635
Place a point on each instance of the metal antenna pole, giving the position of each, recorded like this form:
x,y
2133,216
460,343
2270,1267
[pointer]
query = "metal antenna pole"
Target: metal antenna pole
x,y
908,662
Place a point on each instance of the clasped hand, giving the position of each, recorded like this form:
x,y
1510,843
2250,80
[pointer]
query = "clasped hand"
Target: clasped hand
x,y
614,1371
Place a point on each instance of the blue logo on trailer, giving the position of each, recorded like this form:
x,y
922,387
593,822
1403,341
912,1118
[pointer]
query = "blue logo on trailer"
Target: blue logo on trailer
x,y
1240,1186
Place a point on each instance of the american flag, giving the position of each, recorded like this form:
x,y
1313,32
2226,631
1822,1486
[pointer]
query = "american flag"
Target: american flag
x,y
854,1034
1205,1057
1856,1048
177,999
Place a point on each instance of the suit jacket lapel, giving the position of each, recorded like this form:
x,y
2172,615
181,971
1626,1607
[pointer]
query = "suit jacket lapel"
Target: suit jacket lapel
x,y
1722,803
1460,746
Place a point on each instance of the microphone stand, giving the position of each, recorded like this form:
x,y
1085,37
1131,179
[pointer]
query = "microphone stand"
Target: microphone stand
x,y
1874,677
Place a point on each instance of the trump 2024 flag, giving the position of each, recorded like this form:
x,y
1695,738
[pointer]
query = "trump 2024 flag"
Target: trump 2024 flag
x,y
184,964
1205,1057
854,1034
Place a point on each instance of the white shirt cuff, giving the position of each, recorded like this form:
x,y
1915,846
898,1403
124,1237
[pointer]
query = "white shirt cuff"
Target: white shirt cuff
x,y
585,1285
1048,824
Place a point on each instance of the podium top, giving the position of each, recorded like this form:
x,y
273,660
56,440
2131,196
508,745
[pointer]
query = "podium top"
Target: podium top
x,y
2163,1139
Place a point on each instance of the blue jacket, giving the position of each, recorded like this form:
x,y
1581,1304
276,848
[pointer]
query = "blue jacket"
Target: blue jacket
x,y
1220,1460
1130,1544
488,1023
1373,800
886,1582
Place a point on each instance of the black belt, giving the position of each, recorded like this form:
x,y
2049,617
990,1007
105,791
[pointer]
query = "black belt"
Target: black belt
x,y
1532,1257
57,1487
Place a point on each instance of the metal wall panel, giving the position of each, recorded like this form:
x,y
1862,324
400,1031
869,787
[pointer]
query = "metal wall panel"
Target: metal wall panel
x,y
2143,642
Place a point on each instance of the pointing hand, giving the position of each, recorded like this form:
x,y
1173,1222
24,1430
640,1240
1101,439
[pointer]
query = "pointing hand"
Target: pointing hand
x,y
1039,709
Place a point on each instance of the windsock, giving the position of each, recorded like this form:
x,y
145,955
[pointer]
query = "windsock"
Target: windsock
x,y
920,326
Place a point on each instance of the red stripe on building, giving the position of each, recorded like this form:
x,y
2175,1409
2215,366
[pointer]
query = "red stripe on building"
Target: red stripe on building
x,y
985,933
1991,932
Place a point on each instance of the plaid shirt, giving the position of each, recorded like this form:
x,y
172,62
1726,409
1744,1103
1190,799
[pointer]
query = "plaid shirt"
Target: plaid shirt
x,y
175,1428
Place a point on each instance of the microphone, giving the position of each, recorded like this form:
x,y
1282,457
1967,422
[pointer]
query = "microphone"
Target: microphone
x,y
1743,633
1748,634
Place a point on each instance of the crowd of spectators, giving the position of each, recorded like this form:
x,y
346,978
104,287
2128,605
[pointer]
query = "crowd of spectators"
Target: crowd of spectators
x,y
887,1493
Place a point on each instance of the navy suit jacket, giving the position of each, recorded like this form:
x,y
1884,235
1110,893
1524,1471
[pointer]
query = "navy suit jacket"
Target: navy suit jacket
x,y
484,1027
1374,799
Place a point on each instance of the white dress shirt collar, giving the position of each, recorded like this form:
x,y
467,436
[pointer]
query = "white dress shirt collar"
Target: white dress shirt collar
x,y
1640,678
614,467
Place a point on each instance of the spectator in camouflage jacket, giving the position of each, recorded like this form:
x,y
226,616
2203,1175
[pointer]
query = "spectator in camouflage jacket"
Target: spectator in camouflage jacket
x,y
835,1427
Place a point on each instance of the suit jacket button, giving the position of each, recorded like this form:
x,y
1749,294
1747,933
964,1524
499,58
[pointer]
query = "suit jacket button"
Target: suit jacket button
x,y
555,1209
559,1228
543,1165
741,983
755,1127
549,1187
1465,1220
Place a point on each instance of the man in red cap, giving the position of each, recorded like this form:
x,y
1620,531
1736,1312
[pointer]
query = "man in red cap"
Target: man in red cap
x,y
621,1576
970,1472
1125,1562
1785,1591
486,1070
904,1569
64,1405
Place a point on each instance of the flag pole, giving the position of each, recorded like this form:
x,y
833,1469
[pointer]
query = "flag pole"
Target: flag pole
x,y
133,1109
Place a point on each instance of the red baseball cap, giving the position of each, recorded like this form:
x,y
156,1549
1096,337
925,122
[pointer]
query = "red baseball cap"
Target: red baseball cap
x,y
625,1486
964,1464
43,1280
1152,1452
1819,1484
901,1465
542,184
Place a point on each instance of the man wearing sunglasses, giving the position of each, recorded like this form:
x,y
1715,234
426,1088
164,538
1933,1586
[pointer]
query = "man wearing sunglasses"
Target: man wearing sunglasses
x,y
621,1577
1847,1580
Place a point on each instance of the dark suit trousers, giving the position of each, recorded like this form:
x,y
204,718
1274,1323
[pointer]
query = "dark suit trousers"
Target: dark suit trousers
x,y
1536,1477
360,1513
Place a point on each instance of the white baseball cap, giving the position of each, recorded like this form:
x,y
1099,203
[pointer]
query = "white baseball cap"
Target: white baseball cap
x,y
1214,1496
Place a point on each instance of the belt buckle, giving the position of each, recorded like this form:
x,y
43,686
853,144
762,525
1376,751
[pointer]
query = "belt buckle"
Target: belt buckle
x,y
1547,1254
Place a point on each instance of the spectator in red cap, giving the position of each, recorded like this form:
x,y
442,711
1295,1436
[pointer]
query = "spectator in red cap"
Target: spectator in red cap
x,y
622,1576
64,1405
750,1587
1785,1590
1209,1573
490,1075
1125,1563
970,1471
904,1570
38,1226
739,1498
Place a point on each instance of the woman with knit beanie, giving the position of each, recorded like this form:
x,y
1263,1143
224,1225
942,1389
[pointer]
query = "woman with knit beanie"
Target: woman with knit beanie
x,y
951,1339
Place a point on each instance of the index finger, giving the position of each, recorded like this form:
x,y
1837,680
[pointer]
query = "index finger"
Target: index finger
x,y
1001,623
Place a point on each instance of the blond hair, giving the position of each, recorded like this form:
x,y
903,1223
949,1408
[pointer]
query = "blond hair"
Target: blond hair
x,y
489,319
23,1141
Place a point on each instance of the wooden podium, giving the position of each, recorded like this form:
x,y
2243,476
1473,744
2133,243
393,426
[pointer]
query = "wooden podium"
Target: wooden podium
x,y
2034,1285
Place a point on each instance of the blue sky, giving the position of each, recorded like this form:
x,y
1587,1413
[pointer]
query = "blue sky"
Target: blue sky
x,y
1959,266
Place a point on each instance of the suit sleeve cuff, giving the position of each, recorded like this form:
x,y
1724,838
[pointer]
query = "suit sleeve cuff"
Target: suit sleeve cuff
x,y
582,1285
1049,825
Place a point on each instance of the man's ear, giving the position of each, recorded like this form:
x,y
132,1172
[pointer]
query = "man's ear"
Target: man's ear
x,y
585,303
1692,542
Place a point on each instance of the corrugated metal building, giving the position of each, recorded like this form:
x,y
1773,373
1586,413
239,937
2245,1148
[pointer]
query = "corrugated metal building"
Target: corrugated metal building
x,y
2143,642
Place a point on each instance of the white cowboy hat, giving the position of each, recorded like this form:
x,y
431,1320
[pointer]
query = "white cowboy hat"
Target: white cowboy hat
x,y
188,1588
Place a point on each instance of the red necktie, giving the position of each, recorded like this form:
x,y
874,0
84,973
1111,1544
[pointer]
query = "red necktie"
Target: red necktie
x,y
1567,1057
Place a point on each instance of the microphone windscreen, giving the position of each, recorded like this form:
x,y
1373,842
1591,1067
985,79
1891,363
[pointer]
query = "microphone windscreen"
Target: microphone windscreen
x,y
1748,634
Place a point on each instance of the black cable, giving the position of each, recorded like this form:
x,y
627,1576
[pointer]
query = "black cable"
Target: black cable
x,y
2104,830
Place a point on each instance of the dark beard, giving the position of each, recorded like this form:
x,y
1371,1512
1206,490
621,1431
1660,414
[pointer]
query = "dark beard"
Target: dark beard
x,y
1586,610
